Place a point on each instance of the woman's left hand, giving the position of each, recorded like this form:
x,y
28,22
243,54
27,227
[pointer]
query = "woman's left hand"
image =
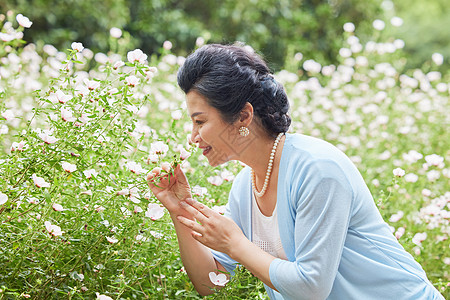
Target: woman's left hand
x,y
214,231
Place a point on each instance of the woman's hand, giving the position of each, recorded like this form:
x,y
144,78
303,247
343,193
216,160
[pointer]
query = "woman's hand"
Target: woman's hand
x,y
170,188
214,231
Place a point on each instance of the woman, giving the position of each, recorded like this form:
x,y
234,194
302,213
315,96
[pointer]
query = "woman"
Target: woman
x,y
299,217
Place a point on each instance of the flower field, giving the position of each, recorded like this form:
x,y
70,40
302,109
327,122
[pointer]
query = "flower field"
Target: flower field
x,y
79,131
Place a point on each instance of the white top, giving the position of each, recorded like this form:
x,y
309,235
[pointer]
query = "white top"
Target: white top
x,y
265,233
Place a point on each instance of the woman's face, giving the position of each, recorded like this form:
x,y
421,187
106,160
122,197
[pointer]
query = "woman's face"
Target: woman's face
x,y
214,136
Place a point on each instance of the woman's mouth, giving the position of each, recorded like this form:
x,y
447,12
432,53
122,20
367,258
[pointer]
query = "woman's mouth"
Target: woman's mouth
x,y
206,150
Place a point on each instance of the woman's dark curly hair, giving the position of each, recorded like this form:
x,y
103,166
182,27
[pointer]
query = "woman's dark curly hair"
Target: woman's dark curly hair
x,y
229,76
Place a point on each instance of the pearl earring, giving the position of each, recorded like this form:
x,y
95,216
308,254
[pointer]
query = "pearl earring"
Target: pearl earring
x,y
243,131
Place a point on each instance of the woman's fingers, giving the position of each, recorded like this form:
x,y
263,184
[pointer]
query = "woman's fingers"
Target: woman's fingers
x,y
198,228
199,210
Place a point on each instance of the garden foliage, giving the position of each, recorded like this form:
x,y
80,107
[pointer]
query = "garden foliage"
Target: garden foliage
x,y
79,132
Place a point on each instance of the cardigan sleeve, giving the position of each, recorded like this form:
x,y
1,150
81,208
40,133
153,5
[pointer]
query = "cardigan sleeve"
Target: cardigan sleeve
x,y
322,197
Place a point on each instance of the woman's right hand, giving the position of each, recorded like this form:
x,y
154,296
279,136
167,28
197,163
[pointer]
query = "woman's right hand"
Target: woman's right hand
x,y
170,189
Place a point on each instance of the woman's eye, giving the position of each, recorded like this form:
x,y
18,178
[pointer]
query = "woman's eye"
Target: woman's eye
x,y
199,122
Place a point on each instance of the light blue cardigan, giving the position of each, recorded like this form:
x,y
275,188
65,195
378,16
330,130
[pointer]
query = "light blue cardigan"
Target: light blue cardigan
x,y
336,242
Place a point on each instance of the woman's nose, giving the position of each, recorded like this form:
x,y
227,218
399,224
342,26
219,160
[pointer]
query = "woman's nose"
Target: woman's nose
x,y
195,137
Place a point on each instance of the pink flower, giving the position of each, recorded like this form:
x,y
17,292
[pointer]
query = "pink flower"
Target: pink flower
x,y
53,229
23,21
57,207
132,80
167,45
77,46
218,279
154,211
68,167
112,240
3,198
136,55
39,181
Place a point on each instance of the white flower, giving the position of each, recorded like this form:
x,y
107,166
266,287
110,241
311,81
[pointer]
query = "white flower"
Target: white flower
x,y
103,297
177,114
154,211
184,154
378,24
68,167
77,46
397,21
396,217
18,146
437,58
218,279
419,238
8,114
137,209
112,240
400,232
167,45
67,115
23,21
3,198
434,160
426,193
60,97
136,55
433,175
89,173
53,229
91,84
57,207
135,167
132,80
411,177
48,139
166,166
159,147
7,37
398,172
115,32
118,64
349,27
39,181
312,66
215,180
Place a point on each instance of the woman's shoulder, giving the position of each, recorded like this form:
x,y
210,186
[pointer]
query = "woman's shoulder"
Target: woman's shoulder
x,y
304,154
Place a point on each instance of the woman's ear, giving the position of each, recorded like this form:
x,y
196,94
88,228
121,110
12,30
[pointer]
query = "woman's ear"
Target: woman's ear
x,y
246,115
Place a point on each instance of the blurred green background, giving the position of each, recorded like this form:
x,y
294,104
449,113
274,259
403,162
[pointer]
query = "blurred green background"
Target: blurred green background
x,y
278,29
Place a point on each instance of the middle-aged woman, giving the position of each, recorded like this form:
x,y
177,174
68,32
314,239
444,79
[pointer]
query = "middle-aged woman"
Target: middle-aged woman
x,y
299,216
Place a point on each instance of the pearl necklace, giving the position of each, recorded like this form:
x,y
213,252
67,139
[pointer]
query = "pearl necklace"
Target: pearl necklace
x,y
269,169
